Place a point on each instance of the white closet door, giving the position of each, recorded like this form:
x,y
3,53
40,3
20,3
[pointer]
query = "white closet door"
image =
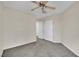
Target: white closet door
x,y
48,30
39,29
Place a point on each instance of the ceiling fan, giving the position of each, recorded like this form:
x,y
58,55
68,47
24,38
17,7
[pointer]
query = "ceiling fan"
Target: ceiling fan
x,y
43,5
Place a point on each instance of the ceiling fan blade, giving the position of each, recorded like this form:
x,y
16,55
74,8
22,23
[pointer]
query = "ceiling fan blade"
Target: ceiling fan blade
x,y
50,7
35,2
34,8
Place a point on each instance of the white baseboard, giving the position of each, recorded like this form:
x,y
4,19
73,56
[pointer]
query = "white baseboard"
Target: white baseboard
x,y
56,41
71,49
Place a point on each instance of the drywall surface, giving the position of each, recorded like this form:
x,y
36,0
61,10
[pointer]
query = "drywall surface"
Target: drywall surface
x,y
39,29
48,30
19,28
1,29
71,28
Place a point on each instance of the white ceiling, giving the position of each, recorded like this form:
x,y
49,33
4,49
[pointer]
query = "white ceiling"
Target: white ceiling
x,y
26,6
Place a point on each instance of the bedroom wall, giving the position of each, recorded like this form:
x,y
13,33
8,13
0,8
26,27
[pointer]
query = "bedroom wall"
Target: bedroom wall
x,y
1,29
19,28
71,28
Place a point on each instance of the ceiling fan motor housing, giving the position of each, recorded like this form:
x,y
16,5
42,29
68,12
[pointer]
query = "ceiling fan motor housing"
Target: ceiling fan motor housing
x,y
41,4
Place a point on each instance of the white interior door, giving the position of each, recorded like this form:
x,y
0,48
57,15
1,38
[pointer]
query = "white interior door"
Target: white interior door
x,y
39,29
48,30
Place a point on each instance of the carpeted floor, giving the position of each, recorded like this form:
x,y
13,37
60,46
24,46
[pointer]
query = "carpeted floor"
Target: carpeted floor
x,y
41,48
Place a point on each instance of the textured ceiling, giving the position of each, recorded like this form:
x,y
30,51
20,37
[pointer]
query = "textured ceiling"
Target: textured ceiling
x,y
26,6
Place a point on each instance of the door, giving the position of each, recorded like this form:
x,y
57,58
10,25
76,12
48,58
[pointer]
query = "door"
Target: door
x,y
48,30
39,29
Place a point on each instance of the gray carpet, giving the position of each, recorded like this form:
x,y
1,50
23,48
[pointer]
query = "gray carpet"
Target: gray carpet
x,y
41,48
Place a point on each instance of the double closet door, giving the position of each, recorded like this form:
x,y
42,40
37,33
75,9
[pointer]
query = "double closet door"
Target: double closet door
x,y
48,30
44,29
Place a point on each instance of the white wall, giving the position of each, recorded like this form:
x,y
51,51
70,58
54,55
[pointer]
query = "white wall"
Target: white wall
x,y
1,29
39,29
71,28
19,28
48,30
